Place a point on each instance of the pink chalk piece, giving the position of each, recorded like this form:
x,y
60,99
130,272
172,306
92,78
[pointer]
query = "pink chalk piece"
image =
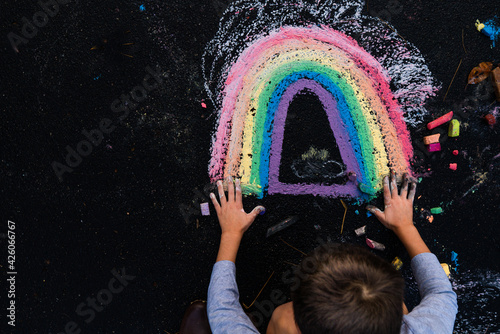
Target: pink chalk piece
x,y
203,104
434,147
453,166
441,120
375,245
455,152
205,209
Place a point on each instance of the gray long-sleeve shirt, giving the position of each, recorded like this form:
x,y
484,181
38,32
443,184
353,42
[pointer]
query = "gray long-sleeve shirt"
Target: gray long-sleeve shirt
x,y
435,313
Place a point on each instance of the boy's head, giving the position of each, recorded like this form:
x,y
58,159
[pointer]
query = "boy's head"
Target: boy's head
x,y
346,289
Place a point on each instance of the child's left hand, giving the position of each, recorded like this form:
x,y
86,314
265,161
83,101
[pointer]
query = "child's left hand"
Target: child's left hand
x,y
233,219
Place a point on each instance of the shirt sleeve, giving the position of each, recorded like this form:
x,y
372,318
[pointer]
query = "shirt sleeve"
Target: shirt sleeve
x,y
438,308
225,313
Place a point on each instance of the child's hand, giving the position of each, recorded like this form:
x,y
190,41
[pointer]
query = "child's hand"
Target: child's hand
x,y
233,219
398,211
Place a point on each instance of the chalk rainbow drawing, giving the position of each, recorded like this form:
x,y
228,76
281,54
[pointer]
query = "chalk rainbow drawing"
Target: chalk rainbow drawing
x,y
269,71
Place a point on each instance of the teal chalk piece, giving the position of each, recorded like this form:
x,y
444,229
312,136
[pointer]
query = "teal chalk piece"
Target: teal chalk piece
x,y
142,8
436,211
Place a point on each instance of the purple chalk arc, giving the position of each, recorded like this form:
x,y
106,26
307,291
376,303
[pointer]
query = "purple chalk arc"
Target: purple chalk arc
x,y
339,131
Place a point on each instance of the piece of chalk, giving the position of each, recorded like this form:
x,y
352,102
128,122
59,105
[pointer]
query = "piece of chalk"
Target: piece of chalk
x,y
453,166
360,231
446,268
397,263
495,80
375,245
434,147
437,210
205,209
455,152
454,128
441,120
487,29
281,225
432,139
479,25
490,119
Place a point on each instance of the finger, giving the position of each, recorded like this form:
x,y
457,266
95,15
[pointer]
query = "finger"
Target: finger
x,y
230,189
255,212
239,199
376,212
413,190
404,187
222,196
387,191
394,185
215,203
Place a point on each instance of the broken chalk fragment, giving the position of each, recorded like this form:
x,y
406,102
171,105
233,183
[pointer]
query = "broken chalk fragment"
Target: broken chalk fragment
x,y
360,231
441,120
434,147
281,225
454,128
375,245
453,166
437,210
205,209
446,268
397,263
431,139
455,152
454,256
490,119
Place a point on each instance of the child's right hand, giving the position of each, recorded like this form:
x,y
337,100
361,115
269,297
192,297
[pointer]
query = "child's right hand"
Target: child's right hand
x,y
398,211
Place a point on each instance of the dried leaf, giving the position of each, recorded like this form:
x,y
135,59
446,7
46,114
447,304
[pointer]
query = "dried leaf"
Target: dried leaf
x,y
480,73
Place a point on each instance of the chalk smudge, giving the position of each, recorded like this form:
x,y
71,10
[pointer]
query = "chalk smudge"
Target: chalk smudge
x,y
267,52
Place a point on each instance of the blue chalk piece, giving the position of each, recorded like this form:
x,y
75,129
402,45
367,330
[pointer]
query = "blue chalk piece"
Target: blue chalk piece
x,y
454,256
492,30
369,214
356,212
142,8
488,30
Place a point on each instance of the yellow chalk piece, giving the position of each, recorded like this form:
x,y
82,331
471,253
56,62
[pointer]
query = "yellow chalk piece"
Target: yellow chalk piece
x,y
446,268
454,128
479,25
397,263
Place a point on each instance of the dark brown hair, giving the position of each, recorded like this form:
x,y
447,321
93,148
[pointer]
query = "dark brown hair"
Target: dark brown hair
x,y
346,289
